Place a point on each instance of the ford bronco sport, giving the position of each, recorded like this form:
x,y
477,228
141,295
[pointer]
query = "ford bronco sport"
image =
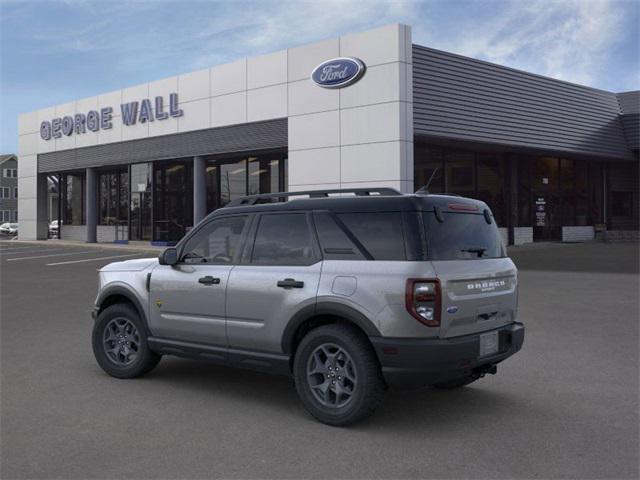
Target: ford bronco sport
x,y
348,291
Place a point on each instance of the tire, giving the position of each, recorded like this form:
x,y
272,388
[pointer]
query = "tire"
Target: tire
x,y
130,356
318,359
455,383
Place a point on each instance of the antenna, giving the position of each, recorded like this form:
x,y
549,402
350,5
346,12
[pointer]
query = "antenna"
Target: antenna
x,y
425,189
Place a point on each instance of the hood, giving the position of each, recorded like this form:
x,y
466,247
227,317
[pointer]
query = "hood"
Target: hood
x,y
135,265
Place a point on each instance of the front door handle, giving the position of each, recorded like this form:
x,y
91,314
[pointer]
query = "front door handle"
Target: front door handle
x,y
290,283
209,280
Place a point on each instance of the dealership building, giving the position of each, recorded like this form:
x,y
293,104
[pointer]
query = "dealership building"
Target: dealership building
x,y
553,160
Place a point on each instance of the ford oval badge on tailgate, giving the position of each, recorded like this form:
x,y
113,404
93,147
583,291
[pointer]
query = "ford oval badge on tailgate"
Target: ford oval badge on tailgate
x,y
453,309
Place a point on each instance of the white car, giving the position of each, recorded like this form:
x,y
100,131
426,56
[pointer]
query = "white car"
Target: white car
x,y
9,228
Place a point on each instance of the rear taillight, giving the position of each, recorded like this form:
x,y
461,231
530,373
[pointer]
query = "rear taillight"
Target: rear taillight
x,y
423,300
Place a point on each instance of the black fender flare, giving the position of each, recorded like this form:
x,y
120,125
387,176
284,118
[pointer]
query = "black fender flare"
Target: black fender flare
x,y
330,309
129,295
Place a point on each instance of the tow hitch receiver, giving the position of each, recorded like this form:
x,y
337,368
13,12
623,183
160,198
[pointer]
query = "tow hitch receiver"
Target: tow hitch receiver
x,y
481,371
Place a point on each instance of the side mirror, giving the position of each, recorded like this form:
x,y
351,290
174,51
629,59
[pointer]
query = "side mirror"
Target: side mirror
x,y
168,257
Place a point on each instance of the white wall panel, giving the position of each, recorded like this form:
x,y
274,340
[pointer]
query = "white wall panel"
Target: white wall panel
x,y
229,78
306,97
267,70
28,123
111,99
303,59
320,165
194,85
197,115
370,162
315,130
372,123
229,109
28,144
380,84
162,88
374,47
266,103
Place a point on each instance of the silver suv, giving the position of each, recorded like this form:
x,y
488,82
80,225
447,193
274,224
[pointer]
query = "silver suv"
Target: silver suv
x,y
348,291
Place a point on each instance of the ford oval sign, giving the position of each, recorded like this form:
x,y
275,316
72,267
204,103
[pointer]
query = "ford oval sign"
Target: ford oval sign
x,y
338,73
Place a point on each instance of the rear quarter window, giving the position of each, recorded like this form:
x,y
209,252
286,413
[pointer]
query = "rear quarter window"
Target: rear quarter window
x,y
381,234
462,236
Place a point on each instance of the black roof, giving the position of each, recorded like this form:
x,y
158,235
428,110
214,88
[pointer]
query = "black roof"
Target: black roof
x,y
395,202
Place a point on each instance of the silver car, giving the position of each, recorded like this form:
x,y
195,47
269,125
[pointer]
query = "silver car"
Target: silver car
x,y
349,292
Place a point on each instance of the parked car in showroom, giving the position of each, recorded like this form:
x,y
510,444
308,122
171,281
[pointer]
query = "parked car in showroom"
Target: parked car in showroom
x,y
9,229
349,295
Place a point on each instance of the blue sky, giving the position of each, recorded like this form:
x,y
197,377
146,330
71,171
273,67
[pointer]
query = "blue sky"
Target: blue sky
x,y
57,51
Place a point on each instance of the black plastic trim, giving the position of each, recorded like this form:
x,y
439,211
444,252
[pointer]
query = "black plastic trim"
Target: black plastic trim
x,y
251,359
122,291
330,309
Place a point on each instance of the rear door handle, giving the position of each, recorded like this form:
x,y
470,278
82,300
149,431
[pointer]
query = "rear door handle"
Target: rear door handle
x,y
290,283
209,280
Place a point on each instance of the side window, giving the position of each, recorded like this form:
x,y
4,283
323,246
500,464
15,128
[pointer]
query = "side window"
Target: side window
x,y
335,243
217,243
379,233
283,239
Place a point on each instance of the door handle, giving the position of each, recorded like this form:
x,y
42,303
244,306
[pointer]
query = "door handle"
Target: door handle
x,y
290,283
209,280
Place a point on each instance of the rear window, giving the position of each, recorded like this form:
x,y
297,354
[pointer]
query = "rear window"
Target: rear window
x,y
462,236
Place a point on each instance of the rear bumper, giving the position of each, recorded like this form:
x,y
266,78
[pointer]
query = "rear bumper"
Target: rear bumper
x,y
413,363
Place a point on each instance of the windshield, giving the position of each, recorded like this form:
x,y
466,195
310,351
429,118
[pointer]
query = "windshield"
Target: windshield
x,y
462,236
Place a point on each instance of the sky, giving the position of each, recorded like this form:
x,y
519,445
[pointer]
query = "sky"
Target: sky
x,y
55,51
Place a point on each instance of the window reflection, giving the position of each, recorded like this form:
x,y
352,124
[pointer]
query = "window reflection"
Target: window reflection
x,y
230,178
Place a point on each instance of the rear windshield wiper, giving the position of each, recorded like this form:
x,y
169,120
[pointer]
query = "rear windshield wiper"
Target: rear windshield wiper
x,y
479,250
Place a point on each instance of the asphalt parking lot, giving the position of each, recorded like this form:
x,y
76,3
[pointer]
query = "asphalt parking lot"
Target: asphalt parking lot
x,y
565,407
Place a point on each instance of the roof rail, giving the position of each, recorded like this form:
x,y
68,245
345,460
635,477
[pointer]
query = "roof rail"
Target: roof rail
x,y
358,192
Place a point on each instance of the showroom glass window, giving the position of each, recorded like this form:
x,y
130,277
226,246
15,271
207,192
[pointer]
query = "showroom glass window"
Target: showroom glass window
x,y
73,191
463,172
172,199
113,197
229,178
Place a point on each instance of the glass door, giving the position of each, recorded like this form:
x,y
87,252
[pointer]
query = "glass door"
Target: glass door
x,y
546,199
140,214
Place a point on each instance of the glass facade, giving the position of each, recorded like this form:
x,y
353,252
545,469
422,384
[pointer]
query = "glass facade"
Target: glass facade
x,y
113,197
229,178
73,199
172,200
542,192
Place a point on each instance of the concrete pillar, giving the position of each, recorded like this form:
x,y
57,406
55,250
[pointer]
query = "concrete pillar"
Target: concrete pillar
x,y
199,189
42,216
91,207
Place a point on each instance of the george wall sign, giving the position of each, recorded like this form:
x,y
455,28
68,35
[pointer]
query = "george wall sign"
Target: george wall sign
x,y
94,120
338,72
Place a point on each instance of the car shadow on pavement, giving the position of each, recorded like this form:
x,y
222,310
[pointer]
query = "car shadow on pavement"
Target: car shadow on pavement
x,y
277,395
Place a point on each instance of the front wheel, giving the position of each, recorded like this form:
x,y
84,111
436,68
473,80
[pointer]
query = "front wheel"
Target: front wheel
x,y
120,343
337,375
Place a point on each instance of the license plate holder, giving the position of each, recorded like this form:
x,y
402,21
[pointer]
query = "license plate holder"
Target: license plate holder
x,y
489,344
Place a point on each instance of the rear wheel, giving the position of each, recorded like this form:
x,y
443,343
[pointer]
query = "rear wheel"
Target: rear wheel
x,y
120,343
337,375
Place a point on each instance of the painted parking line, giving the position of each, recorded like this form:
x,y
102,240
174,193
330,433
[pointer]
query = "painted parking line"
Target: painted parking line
x,y
13,249
94,259
33,250
53,255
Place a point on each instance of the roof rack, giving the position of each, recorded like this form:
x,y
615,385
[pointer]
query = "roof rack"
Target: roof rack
x,y
280,196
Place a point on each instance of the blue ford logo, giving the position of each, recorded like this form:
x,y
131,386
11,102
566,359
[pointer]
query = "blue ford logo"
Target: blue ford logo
x,y
338,73
452,309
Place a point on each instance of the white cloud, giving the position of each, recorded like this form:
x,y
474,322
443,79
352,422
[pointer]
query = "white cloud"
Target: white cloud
x,y
569,40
